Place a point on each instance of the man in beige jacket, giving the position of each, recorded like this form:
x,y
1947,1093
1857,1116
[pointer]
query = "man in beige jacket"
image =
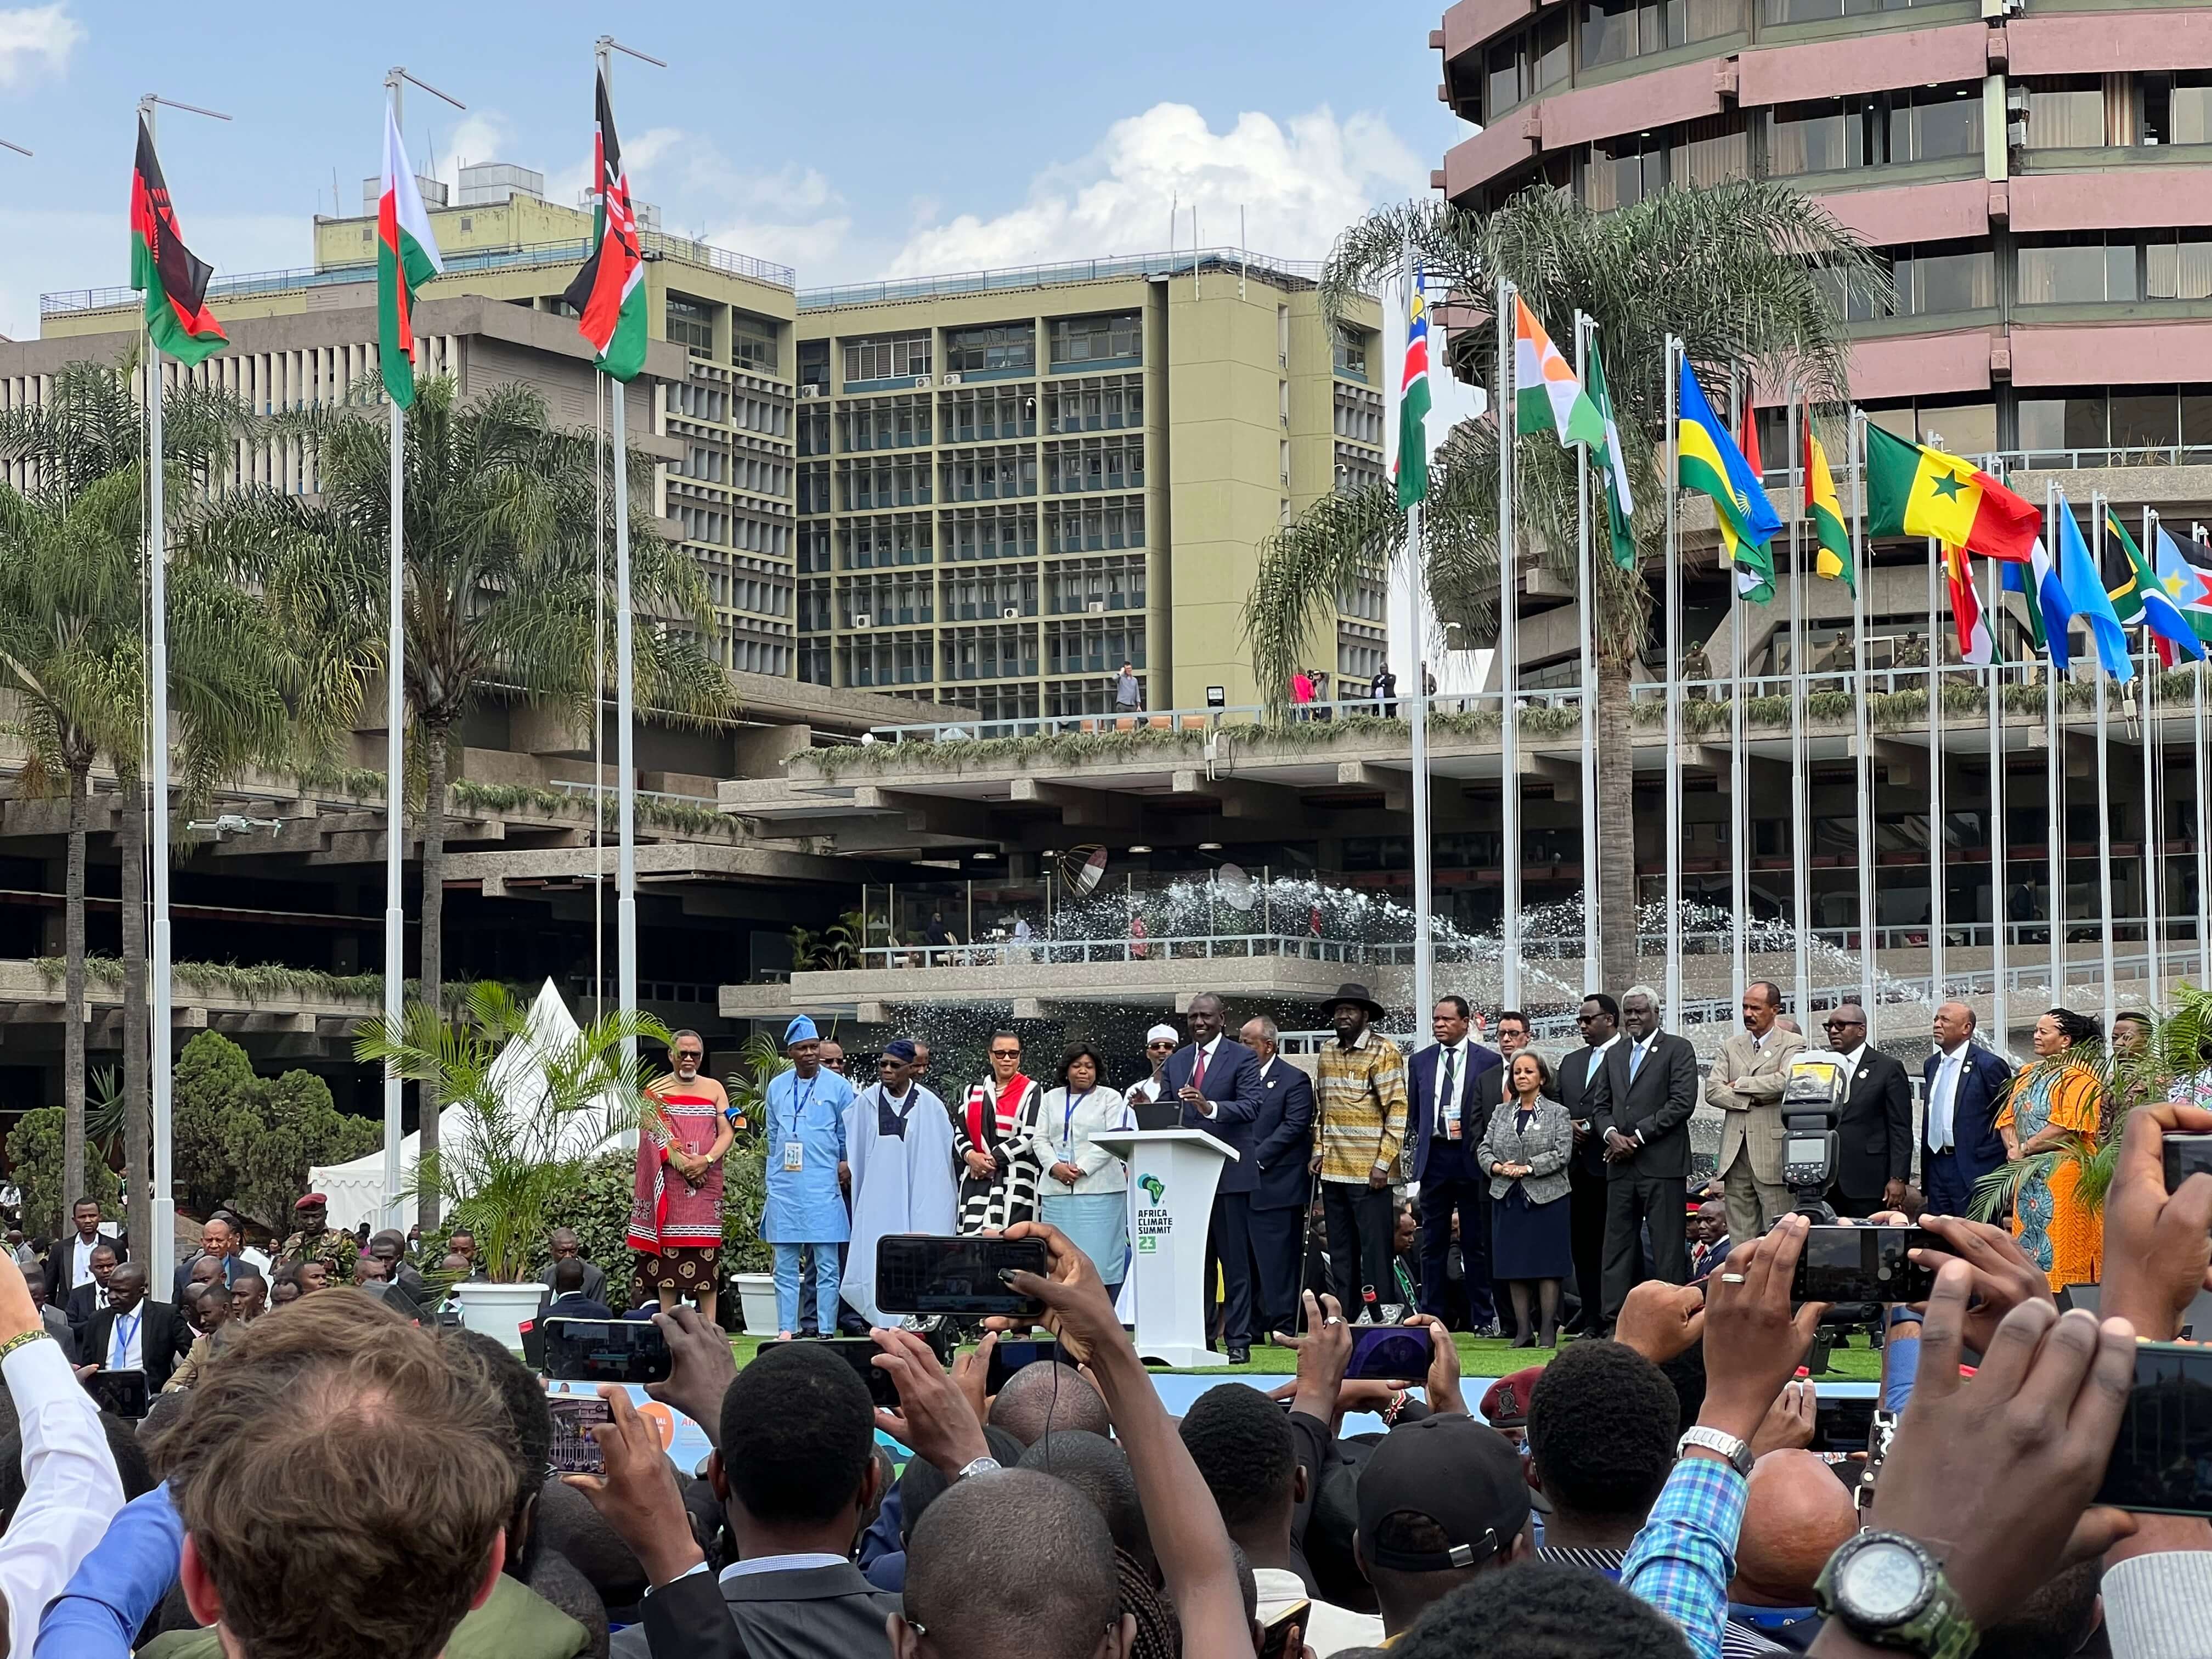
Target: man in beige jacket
x,y
1745,1083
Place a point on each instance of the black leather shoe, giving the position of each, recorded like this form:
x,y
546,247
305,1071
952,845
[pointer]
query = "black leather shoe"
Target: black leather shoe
x,y
1240,1356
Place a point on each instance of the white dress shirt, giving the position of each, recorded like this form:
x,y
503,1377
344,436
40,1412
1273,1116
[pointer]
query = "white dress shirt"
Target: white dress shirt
x,y
1943,1098
71,1489
80,1258
1205,1055
1851,1063
1457,1053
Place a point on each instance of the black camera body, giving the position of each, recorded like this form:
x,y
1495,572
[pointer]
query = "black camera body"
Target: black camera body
x,y
1809,1104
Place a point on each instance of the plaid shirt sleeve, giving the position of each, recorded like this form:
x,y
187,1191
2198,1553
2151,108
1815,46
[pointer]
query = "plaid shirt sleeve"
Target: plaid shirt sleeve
x,y
1683,1558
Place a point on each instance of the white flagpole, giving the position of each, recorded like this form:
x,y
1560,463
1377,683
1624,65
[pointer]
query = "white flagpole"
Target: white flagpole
x,y
2000,960
2104,782
1508,667
625,677
1425,953
1586,624
2147,707
160,950
1935,871
1674,672
2203,820
2054,764
1800,783
395,775
1862,736
1739,778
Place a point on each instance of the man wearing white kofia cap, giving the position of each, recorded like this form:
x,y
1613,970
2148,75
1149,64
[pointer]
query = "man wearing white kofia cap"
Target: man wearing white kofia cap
x,y
1159,1042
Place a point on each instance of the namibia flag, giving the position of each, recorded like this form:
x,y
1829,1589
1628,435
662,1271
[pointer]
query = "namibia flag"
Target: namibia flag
x,y
173,279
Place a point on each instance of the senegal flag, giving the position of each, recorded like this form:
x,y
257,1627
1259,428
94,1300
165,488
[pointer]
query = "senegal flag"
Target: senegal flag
x,y
173,279
1709,463
1915,491
609,292
406,257
1833,560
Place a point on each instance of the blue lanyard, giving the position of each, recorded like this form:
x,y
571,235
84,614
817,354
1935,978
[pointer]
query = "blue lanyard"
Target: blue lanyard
x,y
1067,1124
123,1335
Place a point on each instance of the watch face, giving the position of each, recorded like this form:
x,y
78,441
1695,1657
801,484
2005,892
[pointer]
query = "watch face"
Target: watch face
x,y
1881,1584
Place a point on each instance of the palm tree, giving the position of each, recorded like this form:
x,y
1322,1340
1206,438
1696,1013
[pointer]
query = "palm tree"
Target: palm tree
x,y
1750,275
72,650
504,575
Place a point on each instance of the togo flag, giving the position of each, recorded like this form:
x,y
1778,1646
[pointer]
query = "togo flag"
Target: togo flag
x,y
1709,463
173,279
609,292
406,257
1544,391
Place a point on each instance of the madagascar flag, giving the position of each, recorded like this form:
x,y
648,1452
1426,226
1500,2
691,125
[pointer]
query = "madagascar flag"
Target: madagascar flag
x,y
173,278
1915,491
406,257
609,292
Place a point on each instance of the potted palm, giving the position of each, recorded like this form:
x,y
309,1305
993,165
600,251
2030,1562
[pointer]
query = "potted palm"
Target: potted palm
x,y
527,1109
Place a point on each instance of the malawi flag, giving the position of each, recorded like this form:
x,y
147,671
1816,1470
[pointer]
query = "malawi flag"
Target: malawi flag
x,y
609,292
406,257
173,279
1412,464
1915,491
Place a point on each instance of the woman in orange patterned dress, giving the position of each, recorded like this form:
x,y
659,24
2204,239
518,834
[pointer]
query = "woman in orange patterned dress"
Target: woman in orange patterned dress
x,y
2050,1106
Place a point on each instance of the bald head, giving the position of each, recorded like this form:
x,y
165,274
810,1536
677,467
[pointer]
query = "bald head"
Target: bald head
x,y
1795,1516
1043,1550
1049,1397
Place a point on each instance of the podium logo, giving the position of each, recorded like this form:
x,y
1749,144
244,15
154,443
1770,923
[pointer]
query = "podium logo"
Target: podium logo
x,y
1155,1221
1155,1189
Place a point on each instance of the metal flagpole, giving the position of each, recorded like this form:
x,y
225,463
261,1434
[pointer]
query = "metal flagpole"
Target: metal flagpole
x,y
1862,738
1425,953
2104,782
2147,709
2054,765
1936,918
2203,819
1999,958
1739,782
1801,784
395,770
1586,622
1508,667
1674,683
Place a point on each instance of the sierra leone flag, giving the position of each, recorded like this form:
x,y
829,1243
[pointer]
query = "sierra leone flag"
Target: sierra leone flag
x,y
609,292
406,257
173,279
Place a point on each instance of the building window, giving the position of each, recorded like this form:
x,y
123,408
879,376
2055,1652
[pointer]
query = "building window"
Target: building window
x,y
1935,121
1709,152
1115,336
1547,51
1000,348
1815,11
1825,137
1936,278
1614,30
691,325
2085,268
814,364
1622,171
752,343
2179,266
1501,76
887,358
1832,135
1349,354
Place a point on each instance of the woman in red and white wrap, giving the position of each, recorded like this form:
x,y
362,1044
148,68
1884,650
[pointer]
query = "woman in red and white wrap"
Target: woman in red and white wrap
x,y
676,1210
993,1132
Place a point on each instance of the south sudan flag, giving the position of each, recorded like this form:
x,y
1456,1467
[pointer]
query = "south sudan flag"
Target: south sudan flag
x,y
173,279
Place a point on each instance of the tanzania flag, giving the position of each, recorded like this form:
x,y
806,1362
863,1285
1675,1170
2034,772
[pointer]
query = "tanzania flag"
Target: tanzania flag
x,y
609,292
1613,467
1915,491
1411,466
173,279
406,257
1833,560
1709,463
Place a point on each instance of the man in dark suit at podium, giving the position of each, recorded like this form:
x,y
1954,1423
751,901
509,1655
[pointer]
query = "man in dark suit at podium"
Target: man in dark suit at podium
x,y
1454,1084
1282,1141
1647,1089
1218,1081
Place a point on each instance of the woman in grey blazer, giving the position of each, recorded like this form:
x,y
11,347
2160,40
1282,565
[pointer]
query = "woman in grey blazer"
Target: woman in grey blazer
x,y
1526,1151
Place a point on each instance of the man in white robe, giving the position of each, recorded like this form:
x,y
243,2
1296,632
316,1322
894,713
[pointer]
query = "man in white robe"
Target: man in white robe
x,y
898,1140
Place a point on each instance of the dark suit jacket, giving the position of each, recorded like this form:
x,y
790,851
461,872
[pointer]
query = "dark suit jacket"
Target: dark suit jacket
x,y
1233,1083
1874,1128
595,1287
232,1267
1477,1098
57,1275
82,1303
1574,1081
803,1610
1282,1138
1983,1081
163,1340
1656,1104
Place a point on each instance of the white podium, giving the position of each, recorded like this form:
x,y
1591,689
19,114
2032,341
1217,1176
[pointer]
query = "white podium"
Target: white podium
x,y
1172,1176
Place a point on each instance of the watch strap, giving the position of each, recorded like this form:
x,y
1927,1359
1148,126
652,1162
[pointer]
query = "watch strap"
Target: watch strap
x,y
981,1466
1941,1630
1737,1452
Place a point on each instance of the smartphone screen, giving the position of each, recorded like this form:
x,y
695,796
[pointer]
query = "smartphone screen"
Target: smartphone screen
x,y
123,1392
860,1353
1007,1357
605,1351
2185,1154
1399,1352
1863,1264
1841,1426
1284,1636
575,1451
917,1274
2162,1458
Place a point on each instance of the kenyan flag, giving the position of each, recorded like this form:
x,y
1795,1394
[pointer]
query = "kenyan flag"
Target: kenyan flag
x,y
609,292
171,276
406,257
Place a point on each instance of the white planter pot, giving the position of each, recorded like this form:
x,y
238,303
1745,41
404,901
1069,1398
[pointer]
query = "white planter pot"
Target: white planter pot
x,y
498,1310
757,1297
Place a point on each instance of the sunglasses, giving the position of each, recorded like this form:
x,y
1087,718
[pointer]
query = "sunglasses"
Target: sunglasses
x,y
1841,1025
1006,1054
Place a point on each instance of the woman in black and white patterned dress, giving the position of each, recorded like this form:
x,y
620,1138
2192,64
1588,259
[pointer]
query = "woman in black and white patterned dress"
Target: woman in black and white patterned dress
x,y
993,1132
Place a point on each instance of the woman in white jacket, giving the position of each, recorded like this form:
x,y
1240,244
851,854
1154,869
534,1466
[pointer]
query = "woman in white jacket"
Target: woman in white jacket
x,y
1084,1188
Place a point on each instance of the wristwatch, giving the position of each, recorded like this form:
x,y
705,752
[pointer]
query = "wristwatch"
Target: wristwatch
x,y
1890,1591
981,1466
1737,1452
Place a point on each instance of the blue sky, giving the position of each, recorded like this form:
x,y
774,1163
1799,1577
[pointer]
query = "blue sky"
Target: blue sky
x,y
866,141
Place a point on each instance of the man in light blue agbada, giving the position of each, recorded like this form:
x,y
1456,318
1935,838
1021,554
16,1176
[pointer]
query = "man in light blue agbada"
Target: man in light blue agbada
x,y
806,1175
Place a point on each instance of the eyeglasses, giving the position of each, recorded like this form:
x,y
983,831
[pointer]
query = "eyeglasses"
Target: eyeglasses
x,y
1842,1024
689,1053
1163,1043
1006,1054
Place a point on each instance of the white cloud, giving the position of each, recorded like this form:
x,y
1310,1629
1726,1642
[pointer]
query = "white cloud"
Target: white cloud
x,y
45,252
1298,183
40,37
483,136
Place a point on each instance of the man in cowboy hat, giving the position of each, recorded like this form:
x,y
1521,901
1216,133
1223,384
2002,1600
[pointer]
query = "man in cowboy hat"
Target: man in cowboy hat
x,y
1359,1122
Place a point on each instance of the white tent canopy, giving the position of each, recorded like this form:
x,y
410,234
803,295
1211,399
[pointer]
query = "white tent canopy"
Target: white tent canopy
x,y
355,1190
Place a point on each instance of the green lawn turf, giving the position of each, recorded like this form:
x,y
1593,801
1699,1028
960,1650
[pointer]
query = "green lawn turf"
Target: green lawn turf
x,y
1478,1357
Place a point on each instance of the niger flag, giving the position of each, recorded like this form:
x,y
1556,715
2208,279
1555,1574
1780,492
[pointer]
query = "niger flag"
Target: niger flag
x,y
173,279
609,292
1915,491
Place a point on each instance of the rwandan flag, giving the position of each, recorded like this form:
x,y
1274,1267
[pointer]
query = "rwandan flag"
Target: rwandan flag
x,y
1711,464
609,292
173,279
406,257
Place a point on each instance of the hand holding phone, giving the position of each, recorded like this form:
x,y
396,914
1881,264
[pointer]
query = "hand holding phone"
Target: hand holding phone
x,y
1284,1636
860,1353
575,1450
919,1274
1863,1264
1398,1352
606,1351
2158,1245
2161,1459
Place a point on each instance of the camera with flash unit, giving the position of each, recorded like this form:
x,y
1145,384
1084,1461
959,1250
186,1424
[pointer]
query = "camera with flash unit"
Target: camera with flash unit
x,y
1809,1103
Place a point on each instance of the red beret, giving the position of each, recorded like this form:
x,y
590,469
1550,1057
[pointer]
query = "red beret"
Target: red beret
x,y
1505,1402
310,1200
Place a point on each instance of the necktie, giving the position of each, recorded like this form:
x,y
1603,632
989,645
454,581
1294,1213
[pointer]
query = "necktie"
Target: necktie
x,y
1635,1059
1198,1070
1445,1094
